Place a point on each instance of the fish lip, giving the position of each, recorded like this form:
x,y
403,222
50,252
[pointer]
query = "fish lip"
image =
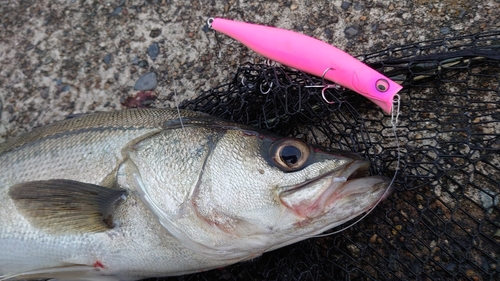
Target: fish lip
x,y
354,169
342,177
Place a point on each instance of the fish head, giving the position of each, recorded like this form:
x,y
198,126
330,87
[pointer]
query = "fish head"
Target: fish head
x,y
250,192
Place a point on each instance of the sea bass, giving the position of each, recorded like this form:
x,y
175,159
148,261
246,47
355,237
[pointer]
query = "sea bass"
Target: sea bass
x,y
132,194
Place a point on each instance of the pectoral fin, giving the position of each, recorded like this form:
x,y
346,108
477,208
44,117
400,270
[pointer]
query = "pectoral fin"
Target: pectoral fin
x,y
66,206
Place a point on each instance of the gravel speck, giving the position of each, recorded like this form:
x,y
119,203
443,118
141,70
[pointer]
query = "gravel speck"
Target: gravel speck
x,y
107,58
153,51
143,64
155,33
488,198
66,88
358,6
462,14
146,82
117,11
328,33
445,30
351,31
345,5
44,94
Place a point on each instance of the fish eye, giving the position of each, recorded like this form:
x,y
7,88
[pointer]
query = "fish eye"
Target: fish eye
x,y
289,154
382,85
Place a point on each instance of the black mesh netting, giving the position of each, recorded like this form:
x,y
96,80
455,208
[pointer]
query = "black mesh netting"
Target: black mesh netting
x,y
443,220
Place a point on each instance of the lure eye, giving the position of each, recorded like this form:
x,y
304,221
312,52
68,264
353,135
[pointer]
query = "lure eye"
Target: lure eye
x,y
382,85
289,154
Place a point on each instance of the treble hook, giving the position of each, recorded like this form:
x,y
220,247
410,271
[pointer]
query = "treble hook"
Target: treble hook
x,y
323,93
324,73
325,86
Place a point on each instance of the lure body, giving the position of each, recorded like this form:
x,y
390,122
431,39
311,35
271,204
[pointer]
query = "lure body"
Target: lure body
x,y
313,56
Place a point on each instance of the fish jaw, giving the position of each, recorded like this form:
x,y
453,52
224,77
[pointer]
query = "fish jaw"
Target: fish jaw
x,y
320,196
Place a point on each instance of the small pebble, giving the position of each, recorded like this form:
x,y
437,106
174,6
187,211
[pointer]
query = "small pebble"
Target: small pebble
x,y
488,130
153,51
45,93
470,273
146,82
351,31
462,14
355,251
155,33
358,6
328,33
143,63
345,5
488,198
445,30
116,11
107,58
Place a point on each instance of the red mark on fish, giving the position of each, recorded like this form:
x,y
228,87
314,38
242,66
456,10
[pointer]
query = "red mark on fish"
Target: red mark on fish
x,y
98,264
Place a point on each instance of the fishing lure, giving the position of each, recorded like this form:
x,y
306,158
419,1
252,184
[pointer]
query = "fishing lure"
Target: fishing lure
x,y
313,56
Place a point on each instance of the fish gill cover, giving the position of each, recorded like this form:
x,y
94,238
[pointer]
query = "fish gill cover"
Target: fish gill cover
x,y
443,221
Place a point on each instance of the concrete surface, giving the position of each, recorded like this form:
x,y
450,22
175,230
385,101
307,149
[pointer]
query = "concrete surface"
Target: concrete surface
x,y
77,56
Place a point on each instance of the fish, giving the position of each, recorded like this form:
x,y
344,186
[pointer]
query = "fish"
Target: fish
x,y
138,193
312,56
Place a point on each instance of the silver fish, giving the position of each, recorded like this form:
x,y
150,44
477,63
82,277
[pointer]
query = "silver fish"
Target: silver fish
x,y
133,194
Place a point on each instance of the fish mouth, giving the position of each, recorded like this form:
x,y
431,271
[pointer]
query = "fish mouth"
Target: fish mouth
x,y
316,197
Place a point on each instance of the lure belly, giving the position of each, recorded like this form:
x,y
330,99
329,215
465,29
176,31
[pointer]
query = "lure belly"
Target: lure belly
x,y
313,56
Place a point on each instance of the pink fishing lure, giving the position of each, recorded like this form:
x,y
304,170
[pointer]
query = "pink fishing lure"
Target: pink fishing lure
x,y
312,56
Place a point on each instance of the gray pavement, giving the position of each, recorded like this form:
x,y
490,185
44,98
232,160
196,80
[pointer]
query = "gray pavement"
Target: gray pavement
x,y
71,56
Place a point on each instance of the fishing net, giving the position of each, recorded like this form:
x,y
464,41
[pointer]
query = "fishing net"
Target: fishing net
x,y
443,220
